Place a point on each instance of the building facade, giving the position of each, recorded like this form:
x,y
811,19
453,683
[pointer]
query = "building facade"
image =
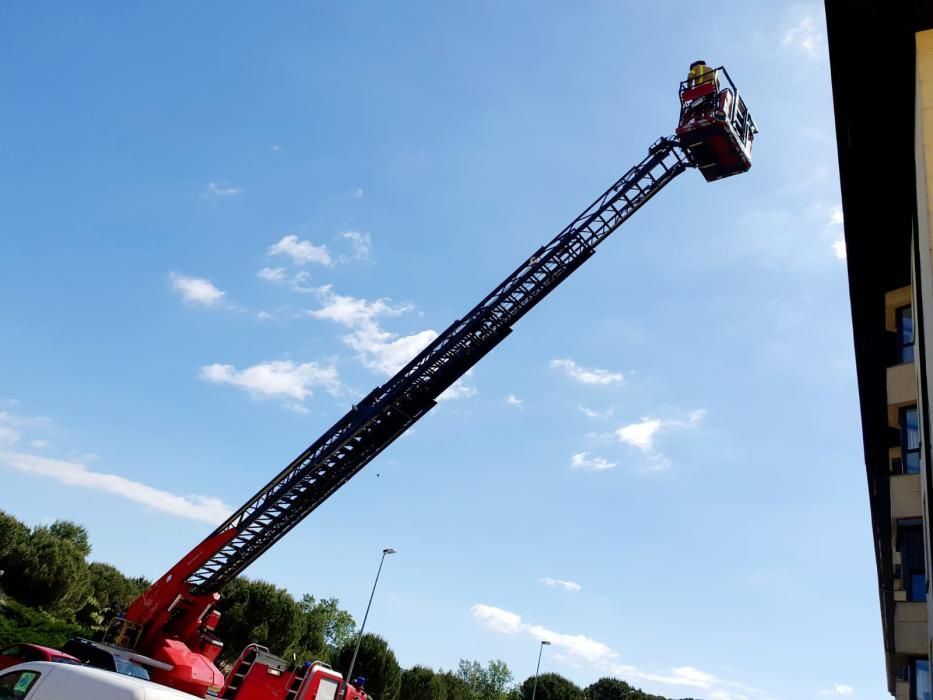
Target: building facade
x,y
881,57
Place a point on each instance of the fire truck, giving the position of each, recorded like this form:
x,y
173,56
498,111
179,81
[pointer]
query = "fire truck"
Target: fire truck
x,y
173,622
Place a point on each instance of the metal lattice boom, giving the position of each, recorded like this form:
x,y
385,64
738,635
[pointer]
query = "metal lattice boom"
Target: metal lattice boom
x,y
389,410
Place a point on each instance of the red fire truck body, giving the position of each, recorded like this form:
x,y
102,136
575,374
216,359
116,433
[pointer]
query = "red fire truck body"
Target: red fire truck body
x,y
259,675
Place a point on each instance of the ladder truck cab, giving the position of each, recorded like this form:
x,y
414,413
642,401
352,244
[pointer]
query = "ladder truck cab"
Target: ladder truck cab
x,y
259,675
715,127
172,623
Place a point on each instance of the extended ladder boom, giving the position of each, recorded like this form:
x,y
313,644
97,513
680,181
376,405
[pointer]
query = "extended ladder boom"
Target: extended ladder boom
x,y
173,620
389,410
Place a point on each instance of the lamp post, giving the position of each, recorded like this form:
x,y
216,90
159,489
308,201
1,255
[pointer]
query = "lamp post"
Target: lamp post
x,y
346,681
534,689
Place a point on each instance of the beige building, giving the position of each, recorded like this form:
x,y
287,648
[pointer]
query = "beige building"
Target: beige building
x,y
881,54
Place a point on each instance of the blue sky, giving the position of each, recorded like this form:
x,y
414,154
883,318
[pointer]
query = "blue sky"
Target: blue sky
x,y
221,226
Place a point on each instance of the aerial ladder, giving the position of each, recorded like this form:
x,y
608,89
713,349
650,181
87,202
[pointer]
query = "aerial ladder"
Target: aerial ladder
x,y
174,620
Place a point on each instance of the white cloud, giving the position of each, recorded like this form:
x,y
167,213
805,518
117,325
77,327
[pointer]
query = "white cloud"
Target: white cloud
x,y
352,312
272,274
276,148
10,423
301,252
39,443
592,413
583,460
804,36
8,436
570,586
642,434
684,676
379,350
264,316
721,694
301,282
585,375
362,245
836,218
497,619
358,194
839,248
513,400
838,689
196,290
7,418
578,648
386,353
203,508
576,645
457,390
688,675
223,190
280,379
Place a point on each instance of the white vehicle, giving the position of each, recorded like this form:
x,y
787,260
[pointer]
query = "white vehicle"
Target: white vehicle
x,y
44,680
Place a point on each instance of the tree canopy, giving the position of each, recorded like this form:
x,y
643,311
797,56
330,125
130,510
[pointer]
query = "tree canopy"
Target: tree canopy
x,y
376,663
47,572
74,533
324,628
12,532
615,689
260,612
53,594
490,682
455,687
551,686
421,683
111,594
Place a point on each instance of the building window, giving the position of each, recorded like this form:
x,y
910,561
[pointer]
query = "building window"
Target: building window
x,y
920,688
913,569
910,441
905,334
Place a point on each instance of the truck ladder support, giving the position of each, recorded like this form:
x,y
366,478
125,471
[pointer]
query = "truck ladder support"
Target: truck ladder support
x,y
391,409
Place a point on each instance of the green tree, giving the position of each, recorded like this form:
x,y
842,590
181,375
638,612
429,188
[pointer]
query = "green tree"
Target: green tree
x,y
140,583
421,683
257,611
111,593
19,623
114,590
324,628
339,625
48,572
376,662
12,532
551,686
72,532
486,683
455,687
471,672
615,689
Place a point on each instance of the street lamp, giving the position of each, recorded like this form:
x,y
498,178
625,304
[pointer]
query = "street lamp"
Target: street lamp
x,y
346,681
540,649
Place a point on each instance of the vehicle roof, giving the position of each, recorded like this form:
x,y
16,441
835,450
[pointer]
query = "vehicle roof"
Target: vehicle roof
x,y
98,676
47,650
123,653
